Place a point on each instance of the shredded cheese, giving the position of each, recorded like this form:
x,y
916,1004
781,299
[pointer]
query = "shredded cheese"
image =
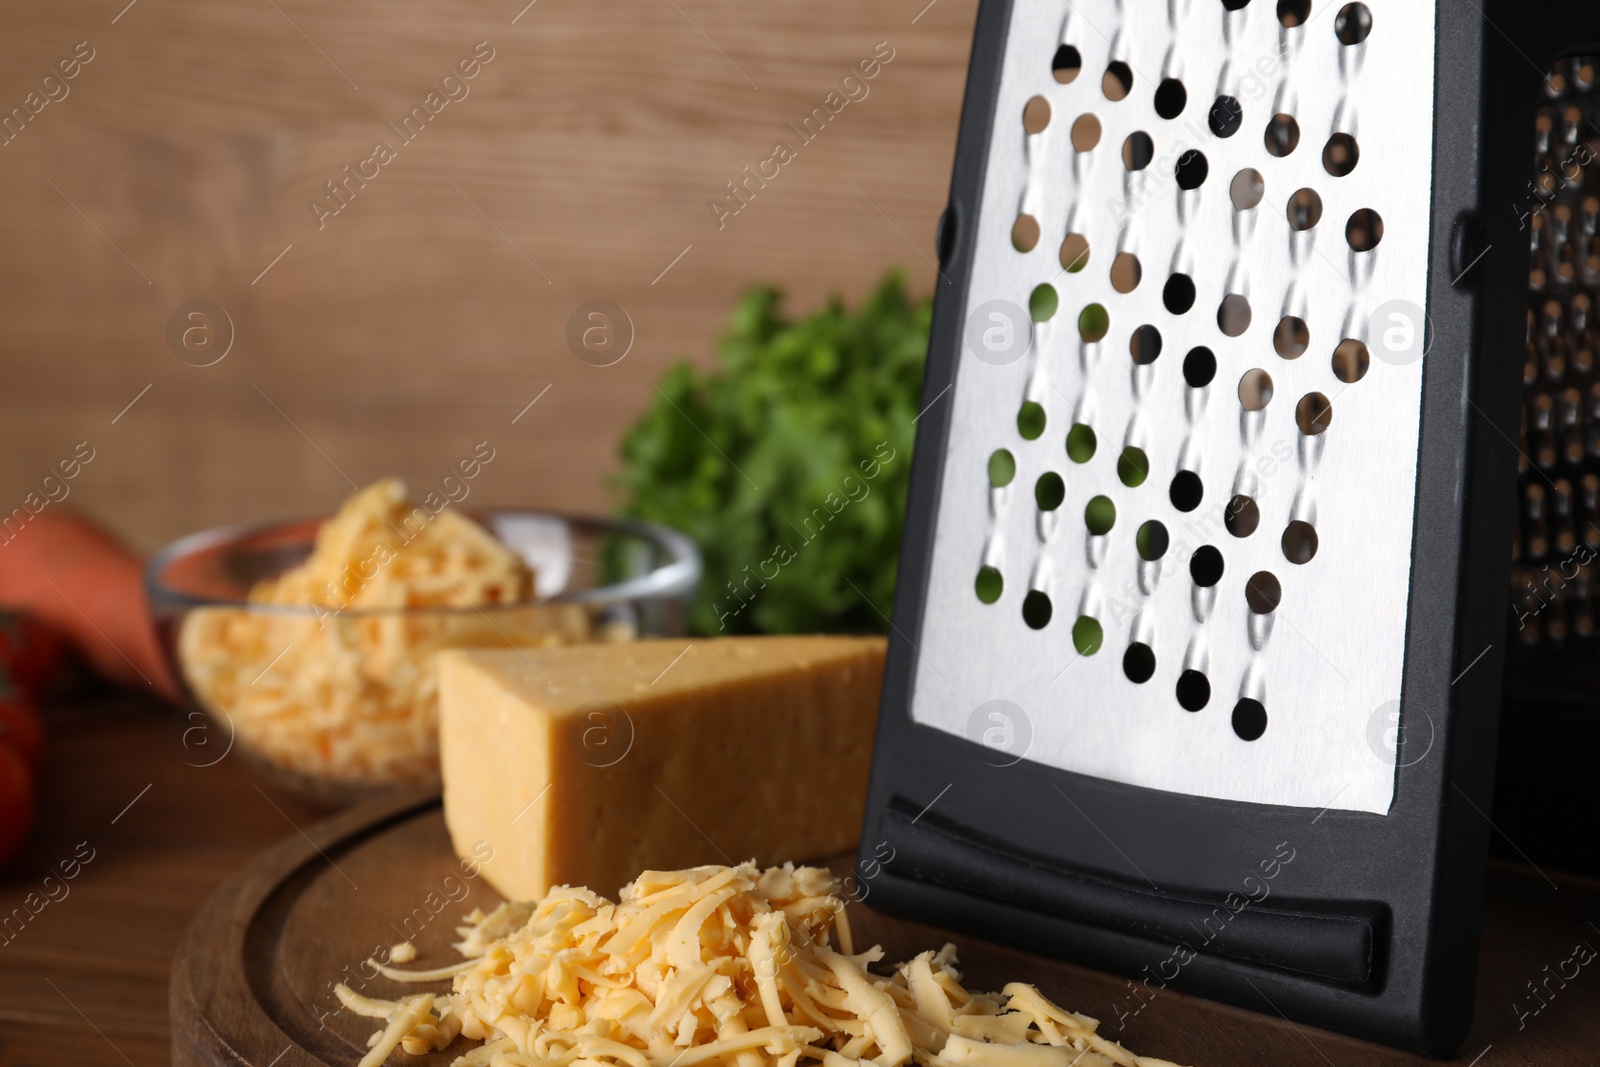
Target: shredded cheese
x,y
338,692
716,965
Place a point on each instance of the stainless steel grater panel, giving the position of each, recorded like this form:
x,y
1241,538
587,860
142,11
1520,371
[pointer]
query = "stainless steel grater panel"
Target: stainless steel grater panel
x,y
1553,587
1326,664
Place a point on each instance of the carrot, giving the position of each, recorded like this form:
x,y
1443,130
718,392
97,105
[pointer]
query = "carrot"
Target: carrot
x,y
84,583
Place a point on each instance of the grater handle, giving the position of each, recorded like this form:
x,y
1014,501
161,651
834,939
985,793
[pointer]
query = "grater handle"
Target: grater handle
x,y
1336,941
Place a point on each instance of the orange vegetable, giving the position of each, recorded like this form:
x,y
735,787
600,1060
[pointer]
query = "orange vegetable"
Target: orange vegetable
x,y
82,582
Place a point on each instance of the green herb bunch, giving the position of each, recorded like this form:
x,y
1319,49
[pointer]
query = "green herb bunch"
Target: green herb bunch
x,y
788,463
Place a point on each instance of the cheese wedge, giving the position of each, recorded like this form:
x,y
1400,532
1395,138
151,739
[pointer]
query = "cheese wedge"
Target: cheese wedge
x,y
584,765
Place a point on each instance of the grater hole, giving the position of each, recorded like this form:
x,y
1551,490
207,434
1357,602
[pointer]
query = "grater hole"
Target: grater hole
x,y
1186,491
1152,541
1194,691
1291,339
1255,389
1138,150
1283,135
1305,209
1247,189
1340,155
1299,542
989,585
1206,566
1043,302
1352,24
1139,663
1093,322
1199,367
1025,233
1234,5
1191,169
1117,81
1145,345
1085,133
1241,516
1171,98
1292,13
1126,272
1081,443
1074,252
1263,593
1002,468
1133,467
1049,491
1087,635
1364,230
1249,719
1226,116
1036,115
1037,609
1067,64
1233,314
1350,360
1030,420
1313,414
1178,294
1100,515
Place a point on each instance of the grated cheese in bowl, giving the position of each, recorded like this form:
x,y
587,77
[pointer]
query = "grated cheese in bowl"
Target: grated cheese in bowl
x,y
715,965
328,673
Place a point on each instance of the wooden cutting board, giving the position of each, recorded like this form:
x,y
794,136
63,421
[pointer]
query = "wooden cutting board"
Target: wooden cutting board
x,y
252,983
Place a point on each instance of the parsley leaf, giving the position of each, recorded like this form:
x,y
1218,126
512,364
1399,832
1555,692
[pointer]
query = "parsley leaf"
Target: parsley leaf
x,y
803,495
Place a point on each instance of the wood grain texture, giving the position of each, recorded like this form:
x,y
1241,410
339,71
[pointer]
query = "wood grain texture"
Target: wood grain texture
x,y
106,949
83,977
426,314
255,973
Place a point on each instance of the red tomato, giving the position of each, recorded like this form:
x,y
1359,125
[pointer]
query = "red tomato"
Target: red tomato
x,y
16,803
22,731
30,653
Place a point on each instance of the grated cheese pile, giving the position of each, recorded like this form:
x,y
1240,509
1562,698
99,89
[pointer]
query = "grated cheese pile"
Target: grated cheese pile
x,y
346,691
716,965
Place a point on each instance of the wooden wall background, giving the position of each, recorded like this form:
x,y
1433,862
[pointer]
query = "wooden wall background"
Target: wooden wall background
x,y
183,159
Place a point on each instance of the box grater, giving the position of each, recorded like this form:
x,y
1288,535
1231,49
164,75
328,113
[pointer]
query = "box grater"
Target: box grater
x,y
1197,647
1545,793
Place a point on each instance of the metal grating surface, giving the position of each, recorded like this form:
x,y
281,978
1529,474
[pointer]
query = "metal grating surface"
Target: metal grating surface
x,y
1313,682
1558,530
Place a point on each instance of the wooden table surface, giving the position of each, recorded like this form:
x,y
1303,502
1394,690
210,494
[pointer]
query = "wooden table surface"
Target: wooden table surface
x,y
84,981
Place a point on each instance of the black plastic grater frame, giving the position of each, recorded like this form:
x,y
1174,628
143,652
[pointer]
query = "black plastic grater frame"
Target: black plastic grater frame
x,y
1372,926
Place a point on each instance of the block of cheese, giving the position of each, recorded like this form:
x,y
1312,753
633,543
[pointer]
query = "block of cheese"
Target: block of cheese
x,y
586,764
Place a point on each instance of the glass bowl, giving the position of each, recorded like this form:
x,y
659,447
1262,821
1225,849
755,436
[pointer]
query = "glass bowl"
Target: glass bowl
x,y
339,704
